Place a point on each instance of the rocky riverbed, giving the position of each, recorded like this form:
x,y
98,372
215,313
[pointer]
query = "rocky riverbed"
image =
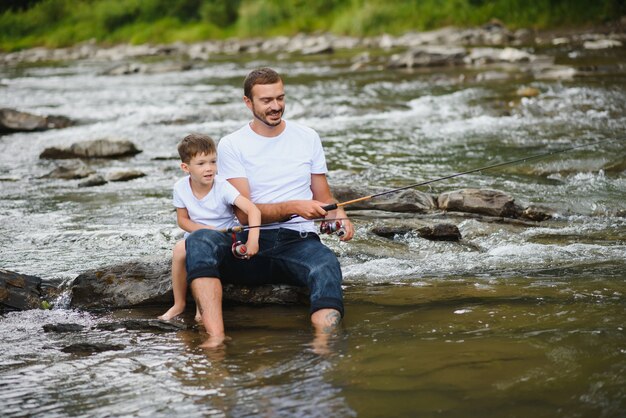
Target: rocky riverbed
x,y
495,293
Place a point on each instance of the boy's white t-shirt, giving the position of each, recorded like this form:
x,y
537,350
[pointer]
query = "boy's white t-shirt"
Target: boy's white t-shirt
x,y
214,209
278,168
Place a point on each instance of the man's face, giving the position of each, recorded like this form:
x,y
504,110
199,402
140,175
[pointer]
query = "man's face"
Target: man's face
x,y
268,103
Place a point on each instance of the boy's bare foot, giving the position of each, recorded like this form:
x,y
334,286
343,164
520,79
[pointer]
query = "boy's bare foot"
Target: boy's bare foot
x,y
172,313
198,317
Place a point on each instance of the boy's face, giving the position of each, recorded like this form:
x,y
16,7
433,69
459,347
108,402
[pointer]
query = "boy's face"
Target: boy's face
x,y
202,169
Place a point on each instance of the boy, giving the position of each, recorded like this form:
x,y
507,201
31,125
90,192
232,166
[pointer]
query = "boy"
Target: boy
x,y
204,201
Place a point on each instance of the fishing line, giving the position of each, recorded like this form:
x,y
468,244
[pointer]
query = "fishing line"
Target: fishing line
x,y
474,170
334,206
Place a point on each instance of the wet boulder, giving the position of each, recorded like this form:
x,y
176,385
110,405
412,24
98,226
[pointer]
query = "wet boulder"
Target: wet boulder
x,y
15,121
409,200
481,201
130,284
19,291
149,283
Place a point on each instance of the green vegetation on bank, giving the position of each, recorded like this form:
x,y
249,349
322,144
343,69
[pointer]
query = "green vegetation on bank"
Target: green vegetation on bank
x,y
56,23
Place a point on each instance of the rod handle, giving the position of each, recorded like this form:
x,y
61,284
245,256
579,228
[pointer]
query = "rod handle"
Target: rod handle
x,y
332,206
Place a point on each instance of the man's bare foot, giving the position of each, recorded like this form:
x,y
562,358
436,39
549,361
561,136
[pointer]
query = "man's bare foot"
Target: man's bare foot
x,y
172,313
214,341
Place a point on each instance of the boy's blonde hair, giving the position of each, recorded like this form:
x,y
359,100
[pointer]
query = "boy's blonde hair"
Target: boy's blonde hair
x,y
195,144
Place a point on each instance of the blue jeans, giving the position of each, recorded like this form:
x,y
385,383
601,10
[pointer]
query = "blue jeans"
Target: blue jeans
x,y
285,257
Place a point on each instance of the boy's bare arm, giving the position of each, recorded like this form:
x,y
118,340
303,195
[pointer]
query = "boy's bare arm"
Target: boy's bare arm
x,y
254,218
186,224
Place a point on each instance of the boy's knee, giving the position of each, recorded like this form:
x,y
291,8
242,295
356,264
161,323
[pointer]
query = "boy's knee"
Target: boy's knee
x,y
179,250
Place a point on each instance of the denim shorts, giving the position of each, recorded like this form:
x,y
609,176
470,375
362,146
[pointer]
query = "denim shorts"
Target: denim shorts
x,y
285,257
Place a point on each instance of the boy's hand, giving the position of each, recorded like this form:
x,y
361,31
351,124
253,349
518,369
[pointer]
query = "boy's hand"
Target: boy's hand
x,y
252,248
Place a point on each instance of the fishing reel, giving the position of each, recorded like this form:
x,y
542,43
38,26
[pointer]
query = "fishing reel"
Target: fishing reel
x,y
332,227
239,249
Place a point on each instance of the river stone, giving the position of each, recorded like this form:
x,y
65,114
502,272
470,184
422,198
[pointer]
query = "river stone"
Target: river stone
x,y
92,181
429,56
73,171
99,148
537,213
481,201
437,232
19,291
125,175
409,200
440,232
527,92
15,121
149,283
602,44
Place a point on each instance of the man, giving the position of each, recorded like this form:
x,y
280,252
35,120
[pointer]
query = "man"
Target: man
x,y
280,166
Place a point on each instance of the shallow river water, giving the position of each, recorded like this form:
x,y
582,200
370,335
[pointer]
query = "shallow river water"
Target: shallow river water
x,y
513,321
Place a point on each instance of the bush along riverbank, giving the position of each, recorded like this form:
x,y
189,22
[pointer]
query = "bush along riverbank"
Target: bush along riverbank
x,y
59,23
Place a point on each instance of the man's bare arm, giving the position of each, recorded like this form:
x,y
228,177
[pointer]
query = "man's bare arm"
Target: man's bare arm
x,y
321,192
276,212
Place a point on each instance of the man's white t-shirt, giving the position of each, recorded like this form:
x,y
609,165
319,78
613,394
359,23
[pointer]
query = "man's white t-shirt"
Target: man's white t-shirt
x,y
278,168
214,209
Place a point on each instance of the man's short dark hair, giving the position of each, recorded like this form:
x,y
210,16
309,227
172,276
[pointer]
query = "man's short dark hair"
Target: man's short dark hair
x,y
263,75
195,144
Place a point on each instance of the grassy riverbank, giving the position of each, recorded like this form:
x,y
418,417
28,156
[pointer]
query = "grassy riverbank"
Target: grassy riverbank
x,y
56,23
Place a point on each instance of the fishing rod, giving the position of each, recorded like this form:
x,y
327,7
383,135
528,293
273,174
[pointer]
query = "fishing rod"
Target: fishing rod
x,y
334,206
335,226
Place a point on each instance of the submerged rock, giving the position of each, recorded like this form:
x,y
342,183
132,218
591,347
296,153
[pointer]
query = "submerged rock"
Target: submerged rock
x,y
149,325
63,328
19,291
481,201
99,148
15,121
90,348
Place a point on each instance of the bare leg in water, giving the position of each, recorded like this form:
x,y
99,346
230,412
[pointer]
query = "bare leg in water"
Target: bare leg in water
x,y
208,294
325,322
179,283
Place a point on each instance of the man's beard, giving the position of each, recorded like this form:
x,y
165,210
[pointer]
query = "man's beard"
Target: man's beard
x,y
263,118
